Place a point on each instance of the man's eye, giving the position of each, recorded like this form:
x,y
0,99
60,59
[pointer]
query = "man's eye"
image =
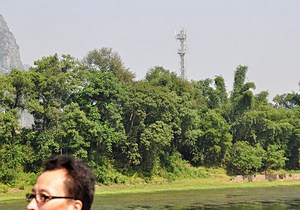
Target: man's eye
x,y
44,197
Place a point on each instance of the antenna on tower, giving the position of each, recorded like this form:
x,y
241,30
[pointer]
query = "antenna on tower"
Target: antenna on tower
x,y
181,36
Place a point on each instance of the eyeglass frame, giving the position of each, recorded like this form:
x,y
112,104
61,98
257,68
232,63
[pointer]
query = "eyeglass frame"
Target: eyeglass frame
x,y
43,198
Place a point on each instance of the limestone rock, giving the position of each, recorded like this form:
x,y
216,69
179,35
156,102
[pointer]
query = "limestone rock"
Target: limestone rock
x,y
9,50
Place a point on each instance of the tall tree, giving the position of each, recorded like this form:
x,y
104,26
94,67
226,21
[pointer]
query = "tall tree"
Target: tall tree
x,y
244,159
162,77
209,142
54,82
155,142
288,100
101,99
149,110
13,89
107,60
242,97
214,91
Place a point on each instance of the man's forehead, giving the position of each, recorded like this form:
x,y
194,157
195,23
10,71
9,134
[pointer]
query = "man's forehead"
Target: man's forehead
x,y
57,173
50,181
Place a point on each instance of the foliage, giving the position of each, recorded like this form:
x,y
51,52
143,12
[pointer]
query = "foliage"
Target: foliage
x,y
152,123
155,142
288,100
177,168
242,97
163,125
274,158
107,60
209,143
244,159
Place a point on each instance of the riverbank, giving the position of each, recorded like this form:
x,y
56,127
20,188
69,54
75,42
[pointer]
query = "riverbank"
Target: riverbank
x,y
216,181
189,184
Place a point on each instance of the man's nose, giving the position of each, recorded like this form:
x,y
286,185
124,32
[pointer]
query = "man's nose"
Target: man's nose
x,y
32,205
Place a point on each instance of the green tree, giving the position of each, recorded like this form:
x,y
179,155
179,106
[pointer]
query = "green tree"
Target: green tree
x,y
21,83
54,82
288,100
208,143
220,89
274,158
244,159
101,101
146,106
242,97
268,126
162,77
12,161
214,91
12,97
261,99
74,134
205,93
155,142
293,147
107,60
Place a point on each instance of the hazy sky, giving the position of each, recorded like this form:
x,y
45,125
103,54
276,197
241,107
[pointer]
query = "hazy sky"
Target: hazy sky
x,y
221,34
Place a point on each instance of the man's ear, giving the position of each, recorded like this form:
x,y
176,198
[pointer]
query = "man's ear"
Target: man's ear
x,y
77,205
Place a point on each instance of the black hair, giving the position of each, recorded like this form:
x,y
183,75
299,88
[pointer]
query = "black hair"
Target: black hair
x,y
80,181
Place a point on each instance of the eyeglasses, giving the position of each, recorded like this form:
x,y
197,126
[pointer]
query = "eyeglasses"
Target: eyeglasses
x,y
42,198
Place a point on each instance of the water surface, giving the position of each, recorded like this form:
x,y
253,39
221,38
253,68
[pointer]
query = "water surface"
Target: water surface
x,y
235,198
271,198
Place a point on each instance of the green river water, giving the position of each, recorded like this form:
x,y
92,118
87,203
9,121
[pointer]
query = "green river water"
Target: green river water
x,y
273,198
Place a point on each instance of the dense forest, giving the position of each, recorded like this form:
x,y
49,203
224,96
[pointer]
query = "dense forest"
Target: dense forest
x,y
95,110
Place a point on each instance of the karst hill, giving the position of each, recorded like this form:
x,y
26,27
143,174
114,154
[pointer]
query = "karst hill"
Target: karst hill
x,y
9,50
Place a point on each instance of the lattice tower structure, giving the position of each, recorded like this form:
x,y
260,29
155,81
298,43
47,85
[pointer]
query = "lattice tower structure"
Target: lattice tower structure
x,y
181,36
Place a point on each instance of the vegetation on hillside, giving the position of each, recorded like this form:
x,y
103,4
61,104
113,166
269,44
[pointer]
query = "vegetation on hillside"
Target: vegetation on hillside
x,y
158,126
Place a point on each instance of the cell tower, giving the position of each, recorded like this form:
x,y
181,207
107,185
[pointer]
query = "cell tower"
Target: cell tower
x,y
181,36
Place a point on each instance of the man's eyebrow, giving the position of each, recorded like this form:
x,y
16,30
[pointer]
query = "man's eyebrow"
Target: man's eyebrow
x,y
43,191
39,191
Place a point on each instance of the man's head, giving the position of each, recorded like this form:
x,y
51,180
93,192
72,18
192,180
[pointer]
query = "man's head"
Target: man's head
x,y
66,183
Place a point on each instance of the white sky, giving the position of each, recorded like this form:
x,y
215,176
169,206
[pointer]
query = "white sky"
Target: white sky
x,y
221,34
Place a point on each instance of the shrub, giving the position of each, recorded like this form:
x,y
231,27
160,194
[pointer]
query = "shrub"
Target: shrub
x,y
244,159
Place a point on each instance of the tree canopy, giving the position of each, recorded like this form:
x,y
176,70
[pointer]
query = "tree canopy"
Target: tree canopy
x,y
94,110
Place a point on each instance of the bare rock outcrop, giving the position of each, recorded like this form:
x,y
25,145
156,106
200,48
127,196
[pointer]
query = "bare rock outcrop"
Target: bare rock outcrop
x,y
9,50
266,177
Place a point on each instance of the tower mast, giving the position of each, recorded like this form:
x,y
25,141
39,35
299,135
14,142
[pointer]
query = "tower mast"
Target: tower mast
x,y
181,36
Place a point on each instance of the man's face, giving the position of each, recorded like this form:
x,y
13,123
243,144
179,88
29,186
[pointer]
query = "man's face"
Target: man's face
x,y
51,183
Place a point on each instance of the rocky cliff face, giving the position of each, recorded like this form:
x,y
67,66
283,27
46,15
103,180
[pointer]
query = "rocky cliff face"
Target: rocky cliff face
x,y
9,50
10,59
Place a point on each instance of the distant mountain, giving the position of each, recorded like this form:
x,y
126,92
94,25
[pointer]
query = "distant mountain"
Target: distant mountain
x,y
10,59
9,50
